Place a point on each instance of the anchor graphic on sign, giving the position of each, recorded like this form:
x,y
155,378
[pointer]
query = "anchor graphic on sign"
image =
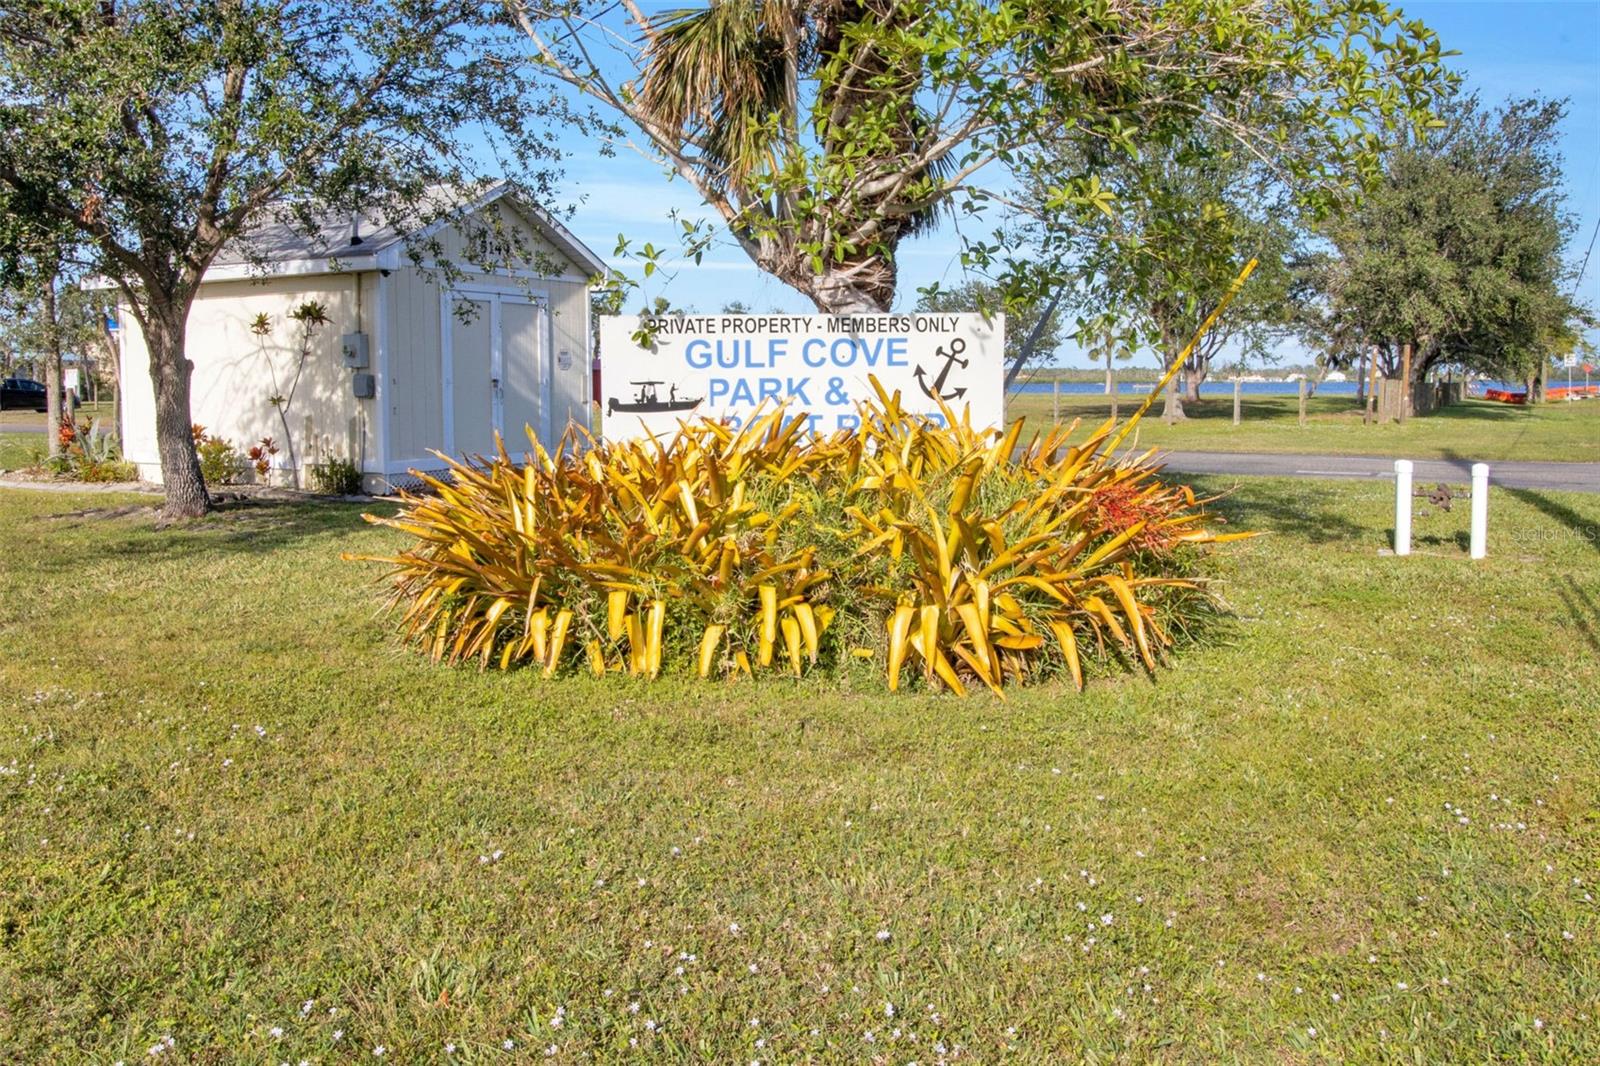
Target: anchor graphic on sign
x,y
950,358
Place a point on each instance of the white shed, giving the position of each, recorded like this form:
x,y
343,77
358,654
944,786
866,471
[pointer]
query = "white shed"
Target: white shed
x,y
408,363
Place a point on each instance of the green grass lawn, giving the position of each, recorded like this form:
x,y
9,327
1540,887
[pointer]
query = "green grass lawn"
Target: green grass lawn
x,y
18,450
1360,824
1476,429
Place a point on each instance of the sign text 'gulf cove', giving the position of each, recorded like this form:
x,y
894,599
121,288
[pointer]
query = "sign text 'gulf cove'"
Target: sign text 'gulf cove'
x,y
728,367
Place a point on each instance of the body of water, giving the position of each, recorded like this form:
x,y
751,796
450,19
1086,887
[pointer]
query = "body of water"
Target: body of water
x,y
1225,388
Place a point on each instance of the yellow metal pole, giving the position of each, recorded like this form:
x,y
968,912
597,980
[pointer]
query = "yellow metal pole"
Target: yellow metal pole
x,y
1183,357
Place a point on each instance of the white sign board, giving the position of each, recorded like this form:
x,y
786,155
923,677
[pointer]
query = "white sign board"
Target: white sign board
x,y
727,367
1570,362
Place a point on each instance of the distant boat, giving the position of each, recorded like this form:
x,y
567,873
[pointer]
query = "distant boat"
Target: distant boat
x,y
647,401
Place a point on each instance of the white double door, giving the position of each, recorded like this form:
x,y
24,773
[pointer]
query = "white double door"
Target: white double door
x,y
496,371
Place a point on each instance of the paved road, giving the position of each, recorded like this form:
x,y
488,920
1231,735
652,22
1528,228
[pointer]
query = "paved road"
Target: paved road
x,y
1570,477
21,427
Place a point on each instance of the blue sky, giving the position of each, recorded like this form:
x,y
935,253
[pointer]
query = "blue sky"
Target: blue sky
x,y
1507,49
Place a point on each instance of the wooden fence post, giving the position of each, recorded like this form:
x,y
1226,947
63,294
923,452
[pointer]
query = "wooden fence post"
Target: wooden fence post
x,y
1302,403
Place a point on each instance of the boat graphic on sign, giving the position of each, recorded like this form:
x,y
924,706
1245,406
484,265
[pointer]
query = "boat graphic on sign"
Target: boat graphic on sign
x,y
648,401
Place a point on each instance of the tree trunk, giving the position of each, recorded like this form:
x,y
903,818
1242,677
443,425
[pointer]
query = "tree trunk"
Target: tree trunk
x,y
1110,385
114,360
170,370
1536,385
1172,407
52,367
1194,374
841,292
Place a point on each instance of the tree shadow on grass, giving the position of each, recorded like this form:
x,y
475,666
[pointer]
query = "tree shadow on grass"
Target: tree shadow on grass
x,y
252,527
1584,528
1584,610
1293,508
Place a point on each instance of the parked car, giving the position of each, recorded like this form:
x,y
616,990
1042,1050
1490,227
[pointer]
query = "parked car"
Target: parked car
x,y
20,394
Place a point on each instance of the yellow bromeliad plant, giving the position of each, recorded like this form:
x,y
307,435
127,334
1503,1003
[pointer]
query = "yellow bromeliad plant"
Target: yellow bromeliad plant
x,y
922,544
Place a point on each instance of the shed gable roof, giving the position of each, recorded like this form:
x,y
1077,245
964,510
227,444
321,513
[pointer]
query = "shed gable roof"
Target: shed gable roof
x,y
287,250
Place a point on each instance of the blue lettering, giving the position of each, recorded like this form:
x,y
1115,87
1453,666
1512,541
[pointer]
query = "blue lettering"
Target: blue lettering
x,y
897,352
697,353
797,390
805,352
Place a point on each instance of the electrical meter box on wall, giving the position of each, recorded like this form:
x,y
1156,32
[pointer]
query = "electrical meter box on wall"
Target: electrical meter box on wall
x,y
365,386
355,351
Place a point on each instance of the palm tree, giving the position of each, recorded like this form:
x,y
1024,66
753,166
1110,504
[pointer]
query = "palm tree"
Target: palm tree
x,y
726,79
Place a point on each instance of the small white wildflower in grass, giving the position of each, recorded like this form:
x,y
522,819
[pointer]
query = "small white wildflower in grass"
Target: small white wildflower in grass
x,y
559,1019
1538,1023
261,730
305,1008
641,882
868,1037
338,1035
888,1010
1298,990
1106,919
379,1052
550,1052
755,1023
449,1048
677,971
497,856
676,850
633,1041
1311,1030
1372,958
227,763
1401,985
761,1041
650,1024
633,1008
754,968
1566,934
508,1043
1337,997
883,934
277,1032
733,927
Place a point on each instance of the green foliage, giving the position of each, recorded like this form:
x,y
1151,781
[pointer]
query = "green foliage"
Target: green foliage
x,y
221,463
825,135
335,476
143,136
1459,250
89,454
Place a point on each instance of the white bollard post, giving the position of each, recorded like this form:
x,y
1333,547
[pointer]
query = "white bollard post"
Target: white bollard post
x,y
1402,506
1480,510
